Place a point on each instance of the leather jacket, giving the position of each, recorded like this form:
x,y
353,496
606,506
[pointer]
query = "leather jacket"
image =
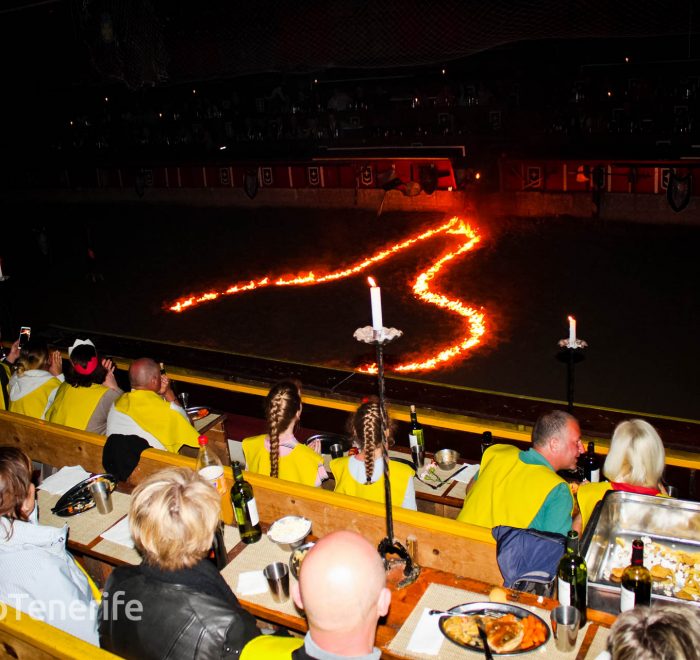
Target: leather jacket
x,y
179,620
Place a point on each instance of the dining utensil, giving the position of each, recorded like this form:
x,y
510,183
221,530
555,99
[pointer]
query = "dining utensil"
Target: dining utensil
x,y
484,640
290,532
277,576
297,557
80,498
565,623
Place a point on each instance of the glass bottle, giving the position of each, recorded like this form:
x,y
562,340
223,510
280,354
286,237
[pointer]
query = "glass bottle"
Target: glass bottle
x,y
591,464
415,434
572,577
636,580
210,469
217,552
244,507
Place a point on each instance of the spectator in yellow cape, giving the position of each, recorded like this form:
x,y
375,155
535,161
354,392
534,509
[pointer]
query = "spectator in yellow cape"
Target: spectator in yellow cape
x,y
151,410
84,400
278,453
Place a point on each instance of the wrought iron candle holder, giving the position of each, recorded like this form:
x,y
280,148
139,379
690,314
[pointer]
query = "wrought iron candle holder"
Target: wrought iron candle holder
x,y
388,545
572,352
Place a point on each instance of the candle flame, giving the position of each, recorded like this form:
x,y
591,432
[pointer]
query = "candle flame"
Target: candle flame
x,y
466,239
571,318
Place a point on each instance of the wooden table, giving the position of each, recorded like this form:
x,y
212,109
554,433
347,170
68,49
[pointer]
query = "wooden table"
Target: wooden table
x,y
101,561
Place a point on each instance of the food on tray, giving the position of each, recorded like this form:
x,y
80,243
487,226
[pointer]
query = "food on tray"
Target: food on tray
x,y
674,572
505,632
200,414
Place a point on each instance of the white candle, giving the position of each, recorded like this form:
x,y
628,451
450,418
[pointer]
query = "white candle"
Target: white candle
x,y
572,331
375,296
0,267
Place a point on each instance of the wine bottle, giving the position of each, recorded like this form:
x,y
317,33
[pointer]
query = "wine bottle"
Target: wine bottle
x,y
210,469
572,577
217,552
244,507
636,580
415,434
591,464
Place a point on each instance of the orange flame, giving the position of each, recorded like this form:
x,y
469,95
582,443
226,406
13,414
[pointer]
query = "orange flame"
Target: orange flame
x,y
474,319
371,281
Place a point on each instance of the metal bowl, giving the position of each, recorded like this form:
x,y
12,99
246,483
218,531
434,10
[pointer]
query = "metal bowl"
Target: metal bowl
x,y
297,557
446,458
289,540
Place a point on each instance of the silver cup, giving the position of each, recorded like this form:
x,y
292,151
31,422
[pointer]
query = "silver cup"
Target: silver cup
x,y
102,495
418,455
336,450
277,576
565,622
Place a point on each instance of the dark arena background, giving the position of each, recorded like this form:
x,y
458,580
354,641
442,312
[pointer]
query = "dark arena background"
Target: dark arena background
x,y
159,152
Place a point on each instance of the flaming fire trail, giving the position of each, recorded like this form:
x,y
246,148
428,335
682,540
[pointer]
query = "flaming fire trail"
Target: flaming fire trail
x,y
474,320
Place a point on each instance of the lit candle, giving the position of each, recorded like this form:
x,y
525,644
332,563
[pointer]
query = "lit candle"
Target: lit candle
x,y
375,295
0,267
572,331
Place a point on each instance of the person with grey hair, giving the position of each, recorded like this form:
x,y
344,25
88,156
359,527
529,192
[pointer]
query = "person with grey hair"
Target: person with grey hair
x,y
522,488
662,632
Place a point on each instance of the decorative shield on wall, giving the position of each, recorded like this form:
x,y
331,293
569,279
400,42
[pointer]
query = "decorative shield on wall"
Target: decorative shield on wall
x,y
678,191
313,175
266,176
224,176
366,175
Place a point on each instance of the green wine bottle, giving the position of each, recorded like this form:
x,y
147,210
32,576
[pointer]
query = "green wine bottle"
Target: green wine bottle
x,y
415,433
636,580
572,577
244,507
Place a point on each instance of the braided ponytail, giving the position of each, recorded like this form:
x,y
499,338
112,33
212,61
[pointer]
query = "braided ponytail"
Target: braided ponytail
x,y
366,427
282,404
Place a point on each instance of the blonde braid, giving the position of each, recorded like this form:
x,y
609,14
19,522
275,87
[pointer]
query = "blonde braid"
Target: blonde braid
x,y
273,418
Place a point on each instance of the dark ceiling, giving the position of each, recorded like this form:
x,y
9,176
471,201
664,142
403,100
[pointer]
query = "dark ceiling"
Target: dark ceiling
x,y
147,42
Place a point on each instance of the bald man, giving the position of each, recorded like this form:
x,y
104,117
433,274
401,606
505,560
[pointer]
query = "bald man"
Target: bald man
x,y
342,589
151,410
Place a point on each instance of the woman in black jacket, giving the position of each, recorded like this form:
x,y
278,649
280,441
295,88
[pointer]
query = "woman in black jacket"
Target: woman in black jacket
x,y
175,604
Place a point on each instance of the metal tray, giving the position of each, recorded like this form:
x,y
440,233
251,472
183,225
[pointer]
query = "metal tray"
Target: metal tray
x,y
484,609
669,522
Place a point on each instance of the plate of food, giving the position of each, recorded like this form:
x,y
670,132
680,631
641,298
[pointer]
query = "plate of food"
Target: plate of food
x,y
195,413
510,630
79,498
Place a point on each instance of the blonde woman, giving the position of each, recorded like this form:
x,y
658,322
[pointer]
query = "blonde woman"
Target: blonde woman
x,y
278,453
180,605
362,475
634,464
38,375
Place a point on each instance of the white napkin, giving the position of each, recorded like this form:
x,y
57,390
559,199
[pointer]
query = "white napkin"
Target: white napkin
x,y
64,479
426,637
251,583
465,476
120,533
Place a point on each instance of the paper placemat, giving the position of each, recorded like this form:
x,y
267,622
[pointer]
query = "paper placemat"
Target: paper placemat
x,y
254,558
599,643
441,597
88,525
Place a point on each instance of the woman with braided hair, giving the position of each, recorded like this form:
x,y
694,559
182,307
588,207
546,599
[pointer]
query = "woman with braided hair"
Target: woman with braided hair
x,y
278,453
362,475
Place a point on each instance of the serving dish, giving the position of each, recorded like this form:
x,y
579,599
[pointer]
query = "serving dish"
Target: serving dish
x,y
297,557
671,531
195,413
79,499
290,532
493,611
